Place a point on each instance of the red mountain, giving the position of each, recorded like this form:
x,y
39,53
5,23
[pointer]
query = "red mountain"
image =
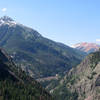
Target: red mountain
x,y
87,47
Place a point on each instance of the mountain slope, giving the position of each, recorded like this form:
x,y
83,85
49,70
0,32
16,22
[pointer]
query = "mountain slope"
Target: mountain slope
x,y
82,82
38,56
16,85
87,47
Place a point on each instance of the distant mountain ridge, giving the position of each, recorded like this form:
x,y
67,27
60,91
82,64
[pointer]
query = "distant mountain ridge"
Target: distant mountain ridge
x,y
87,47
38,56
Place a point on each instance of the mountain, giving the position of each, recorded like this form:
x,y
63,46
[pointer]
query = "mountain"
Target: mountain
x,y
16,85
82,82
37,55
87,47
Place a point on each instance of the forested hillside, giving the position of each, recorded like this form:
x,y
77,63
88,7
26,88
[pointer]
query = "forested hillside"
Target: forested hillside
x,y
16,85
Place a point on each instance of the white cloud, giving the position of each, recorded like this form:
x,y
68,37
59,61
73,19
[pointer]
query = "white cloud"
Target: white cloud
x,y
98,40
4,9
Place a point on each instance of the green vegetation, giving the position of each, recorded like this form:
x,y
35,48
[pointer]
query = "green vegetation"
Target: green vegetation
x,y
10,90
16,85
92,75
39,57
74,85
95,58
72,80
63,93
36,54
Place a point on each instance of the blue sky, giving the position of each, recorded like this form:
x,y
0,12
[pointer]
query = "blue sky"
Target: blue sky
x,y
66,21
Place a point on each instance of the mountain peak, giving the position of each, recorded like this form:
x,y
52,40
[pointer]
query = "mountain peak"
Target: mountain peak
x,y
6,20
87,47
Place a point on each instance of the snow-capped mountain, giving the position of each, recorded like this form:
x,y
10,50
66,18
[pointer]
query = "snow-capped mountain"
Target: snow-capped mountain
x,y
5,20
87,47
35,53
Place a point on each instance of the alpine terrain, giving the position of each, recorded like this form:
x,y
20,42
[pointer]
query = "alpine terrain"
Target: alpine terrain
x,y
87,47
82,82
38,56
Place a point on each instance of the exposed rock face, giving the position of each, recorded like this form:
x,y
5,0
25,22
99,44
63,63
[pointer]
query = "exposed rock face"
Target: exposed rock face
x,y
88,78
87,47
97,83
84,79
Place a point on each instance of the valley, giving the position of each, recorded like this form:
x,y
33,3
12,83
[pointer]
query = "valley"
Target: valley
x,y
42,69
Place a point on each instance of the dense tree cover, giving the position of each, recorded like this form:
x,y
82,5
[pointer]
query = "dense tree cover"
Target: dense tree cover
x,y
63,93
16,85
10,90
95,58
